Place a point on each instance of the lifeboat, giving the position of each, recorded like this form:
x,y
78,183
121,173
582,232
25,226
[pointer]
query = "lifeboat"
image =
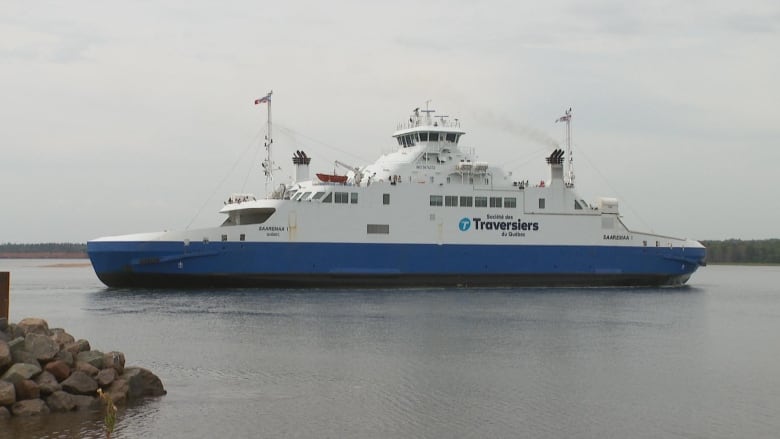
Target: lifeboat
x,y
332,178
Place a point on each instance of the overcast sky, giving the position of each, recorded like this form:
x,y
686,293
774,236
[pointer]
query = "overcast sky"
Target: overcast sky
x,y
122,117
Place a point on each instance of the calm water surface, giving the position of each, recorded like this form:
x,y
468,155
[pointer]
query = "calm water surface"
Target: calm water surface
x,y
696,362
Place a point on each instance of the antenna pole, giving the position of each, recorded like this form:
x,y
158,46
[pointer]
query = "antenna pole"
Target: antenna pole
x,y
268,164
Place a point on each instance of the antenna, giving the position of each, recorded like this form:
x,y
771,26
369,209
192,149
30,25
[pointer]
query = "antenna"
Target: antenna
x,y
267,164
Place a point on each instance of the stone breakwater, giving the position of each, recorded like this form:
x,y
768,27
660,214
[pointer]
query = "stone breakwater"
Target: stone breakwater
x,y
46,370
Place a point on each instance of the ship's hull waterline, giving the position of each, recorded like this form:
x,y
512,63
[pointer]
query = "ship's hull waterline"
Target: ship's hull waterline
x,y
318,265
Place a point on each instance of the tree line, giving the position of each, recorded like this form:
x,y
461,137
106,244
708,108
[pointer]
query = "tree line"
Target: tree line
x,y
737,251
49,247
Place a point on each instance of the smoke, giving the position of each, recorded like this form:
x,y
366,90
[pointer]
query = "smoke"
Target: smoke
x,y
516,128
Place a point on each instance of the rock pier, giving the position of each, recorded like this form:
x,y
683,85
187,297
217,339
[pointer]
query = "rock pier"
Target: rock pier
x,y
46,370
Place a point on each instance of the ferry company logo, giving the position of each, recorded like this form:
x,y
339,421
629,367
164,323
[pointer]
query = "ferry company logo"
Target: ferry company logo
x,y
464,224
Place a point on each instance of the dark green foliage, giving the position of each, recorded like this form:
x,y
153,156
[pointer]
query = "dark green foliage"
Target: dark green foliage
x,y
765,251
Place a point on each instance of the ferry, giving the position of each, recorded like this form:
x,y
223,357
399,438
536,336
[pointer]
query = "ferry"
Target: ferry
x,y
426,214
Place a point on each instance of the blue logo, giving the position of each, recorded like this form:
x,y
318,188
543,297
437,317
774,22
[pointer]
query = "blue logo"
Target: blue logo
x,y
464,224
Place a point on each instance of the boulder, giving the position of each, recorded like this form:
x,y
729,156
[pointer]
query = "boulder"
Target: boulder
x,y
4,413
118,391
115,360
41,346
62,338
106,377
85,402
59,369
80,383
67,357
27,389
4,336
60,401
77,346
16,344
87,368
94,358
20,371
32,325
47,383
30,407
5,354
3,323
7,393
142,382
22,356
14,331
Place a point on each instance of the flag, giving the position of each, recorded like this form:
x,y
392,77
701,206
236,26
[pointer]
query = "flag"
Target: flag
x,y
563,118
264,99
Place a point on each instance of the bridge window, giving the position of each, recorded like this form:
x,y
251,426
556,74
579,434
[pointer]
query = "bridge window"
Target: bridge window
x,y
451,137
510,202
495,201
541,203
433,137
466,201
341,198
423,137
353,197
385,198
451,201
480,201
436,200
328,198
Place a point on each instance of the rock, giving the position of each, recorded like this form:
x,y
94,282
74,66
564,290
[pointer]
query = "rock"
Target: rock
x,y
118,391
27,389
77,346
106,377
14,331
7,393
67,357
20,371
42,346
87,368
32,325
142,382
3,323
5,354
4,413
80,383
115,360
62,338
30,407
84,402
4,337
94,358
16,344
59,369
60,401
47,382
22,356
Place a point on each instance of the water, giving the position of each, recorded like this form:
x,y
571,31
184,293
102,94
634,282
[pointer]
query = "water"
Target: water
x,y
694,362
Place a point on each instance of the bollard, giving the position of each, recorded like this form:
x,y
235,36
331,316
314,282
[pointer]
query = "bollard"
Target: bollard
x,y
5,288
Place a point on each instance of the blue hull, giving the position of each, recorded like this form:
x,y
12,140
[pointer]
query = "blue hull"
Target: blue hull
x,y
218,264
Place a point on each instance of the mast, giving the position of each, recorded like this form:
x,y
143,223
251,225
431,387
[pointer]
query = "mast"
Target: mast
x,y
268,164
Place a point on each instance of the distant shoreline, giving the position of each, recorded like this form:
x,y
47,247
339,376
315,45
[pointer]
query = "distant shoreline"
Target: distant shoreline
x,y
43,255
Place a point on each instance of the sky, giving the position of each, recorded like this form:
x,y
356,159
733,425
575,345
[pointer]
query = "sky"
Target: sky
x,y
121,117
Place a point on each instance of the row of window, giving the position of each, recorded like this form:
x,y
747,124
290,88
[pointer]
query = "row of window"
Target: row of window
x,y
466,201
412,138
331,197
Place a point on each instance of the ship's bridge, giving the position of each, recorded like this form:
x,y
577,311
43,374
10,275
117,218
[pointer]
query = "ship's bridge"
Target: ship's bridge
x,y
427,128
